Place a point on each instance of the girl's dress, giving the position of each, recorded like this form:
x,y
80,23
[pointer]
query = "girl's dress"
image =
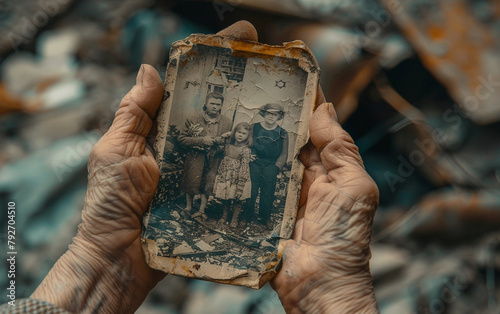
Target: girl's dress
x,y
234,173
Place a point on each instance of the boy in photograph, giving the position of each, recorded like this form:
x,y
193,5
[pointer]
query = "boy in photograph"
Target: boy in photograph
x,y
201,136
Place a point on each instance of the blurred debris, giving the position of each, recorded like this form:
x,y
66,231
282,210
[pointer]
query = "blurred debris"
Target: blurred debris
x,y
459,42
387,260
148,35
8,102
56,43
347,13
29,78
20,21
204,298
59,165
454,213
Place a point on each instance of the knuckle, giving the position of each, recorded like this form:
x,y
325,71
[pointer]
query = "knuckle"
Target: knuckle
x,y
99,152
129,106
125,112
339,144
96,151
369,193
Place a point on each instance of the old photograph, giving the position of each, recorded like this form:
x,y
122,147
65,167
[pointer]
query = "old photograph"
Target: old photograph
x,y
234,118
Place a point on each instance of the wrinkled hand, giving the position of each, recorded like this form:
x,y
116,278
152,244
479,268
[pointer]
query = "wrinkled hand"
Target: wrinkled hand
x,y
326,264
226,135
106,256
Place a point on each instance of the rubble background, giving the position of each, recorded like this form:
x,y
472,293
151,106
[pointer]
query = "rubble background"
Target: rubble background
x,y
415,82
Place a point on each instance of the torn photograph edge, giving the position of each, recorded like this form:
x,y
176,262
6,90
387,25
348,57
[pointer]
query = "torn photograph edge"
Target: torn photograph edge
x,y
204,270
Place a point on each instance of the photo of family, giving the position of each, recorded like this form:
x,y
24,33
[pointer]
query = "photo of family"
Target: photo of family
x,y
234,166
227,157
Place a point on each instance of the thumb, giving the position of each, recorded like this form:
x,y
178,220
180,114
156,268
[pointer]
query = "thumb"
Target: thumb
x,y
137,109
339,155
336,147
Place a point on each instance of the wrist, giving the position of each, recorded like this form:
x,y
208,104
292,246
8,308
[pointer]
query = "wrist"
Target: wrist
x,y
83,280
75,281
313,280
328,292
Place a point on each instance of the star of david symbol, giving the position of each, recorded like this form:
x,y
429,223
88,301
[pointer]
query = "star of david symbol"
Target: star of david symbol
x,y
280,84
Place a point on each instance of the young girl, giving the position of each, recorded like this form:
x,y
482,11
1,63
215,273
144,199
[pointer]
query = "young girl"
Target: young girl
x,y
232,183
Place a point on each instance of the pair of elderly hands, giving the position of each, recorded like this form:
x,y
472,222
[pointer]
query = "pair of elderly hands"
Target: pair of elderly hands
x,y
325,266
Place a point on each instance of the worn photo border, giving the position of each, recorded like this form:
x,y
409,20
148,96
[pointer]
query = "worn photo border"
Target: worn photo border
x,y
293,50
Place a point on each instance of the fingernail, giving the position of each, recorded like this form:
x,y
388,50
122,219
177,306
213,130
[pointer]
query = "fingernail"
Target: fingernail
x,y
140,75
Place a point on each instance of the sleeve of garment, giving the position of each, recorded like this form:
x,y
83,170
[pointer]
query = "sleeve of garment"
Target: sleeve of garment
x,y
244,173
284,152
32,306
185,139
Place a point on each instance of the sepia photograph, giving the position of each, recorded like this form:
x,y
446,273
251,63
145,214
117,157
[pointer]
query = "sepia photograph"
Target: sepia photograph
x,y
230,129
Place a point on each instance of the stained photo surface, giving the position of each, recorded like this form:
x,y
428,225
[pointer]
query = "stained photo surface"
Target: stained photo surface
x,y
227,151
